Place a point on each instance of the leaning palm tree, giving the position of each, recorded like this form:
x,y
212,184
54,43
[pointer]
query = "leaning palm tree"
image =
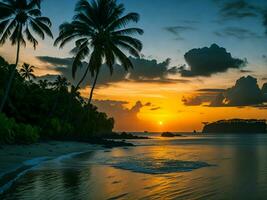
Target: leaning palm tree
x,y
20,19
26,72
99,28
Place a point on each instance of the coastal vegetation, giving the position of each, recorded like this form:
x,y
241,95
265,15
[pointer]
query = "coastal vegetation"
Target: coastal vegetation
x,y
31,109
38,109
236,126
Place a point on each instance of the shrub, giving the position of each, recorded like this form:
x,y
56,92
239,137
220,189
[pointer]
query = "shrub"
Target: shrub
x,y
7,126
57,129
26,134
13,133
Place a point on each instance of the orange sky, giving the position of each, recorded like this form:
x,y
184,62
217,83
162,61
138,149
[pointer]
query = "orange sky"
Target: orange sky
x,y
166,111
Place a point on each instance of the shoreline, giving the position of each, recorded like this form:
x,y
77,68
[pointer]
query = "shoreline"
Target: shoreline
x,y
16,160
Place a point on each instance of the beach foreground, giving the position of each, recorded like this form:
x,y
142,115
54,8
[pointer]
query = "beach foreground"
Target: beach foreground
x,y
209,167
13,156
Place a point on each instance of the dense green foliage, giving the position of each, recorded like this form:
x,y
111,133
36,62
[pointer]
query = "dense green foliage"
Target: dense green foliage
x,y
16,133
55,108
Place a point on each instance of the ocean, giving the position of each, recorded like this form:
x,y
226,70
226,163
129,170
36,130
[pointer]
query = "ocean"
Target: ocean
x,y
193,167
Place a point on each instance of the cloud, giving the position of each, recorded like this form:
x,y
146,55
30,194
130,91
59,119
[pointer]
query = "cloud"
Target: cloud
x,y
178,30
238,9
265,21
192,101
55,60
239,33
208,61
242,9
245,92
145,70
215,90
155,108
203,96
121,114
264,91
245,71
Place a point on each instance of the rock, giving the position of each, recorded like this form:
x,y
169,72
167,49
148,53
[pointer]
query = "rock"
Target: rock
x,y
169,134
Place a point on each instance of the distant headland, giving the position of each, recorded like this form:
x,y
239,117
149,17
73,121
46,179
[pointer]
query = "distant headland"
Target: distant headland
x,y
236,126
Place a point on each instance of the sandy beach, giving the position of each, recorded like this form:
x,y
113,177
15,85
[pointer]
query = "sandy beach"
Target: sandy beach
x,y
13,156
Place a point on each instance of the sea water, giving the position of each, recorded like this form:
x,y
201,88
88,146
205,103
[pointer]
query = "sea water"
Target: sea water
x,y
191,167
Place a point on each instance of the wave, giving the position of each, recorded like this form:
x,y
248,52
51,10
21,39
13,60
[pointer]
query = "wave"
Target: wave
x,y
8,179
156,166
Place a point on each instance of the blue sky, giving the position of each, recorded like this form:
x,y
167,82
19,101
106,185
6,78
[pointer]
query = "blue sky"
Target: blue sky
x,y
202,16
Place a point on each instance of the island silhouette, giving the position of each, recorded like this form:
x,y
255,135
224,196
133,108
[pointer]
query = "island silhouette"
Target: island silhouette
x,y
244,126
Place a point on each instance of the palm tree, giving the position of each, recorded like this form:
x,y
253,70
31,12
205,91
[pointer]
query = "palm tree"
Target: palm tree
x,y
60,84
20,18
43,84
99,27
26,72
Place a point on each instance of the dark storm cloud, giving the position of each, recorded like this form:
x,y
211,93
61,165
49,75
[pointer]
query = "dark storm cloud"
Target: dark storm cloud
x,y
246,92
177,31
208,61
239,33
148,71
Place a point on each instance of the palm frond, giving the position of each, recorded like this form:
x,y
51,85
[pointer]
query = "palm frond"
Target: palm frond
x,y
129,31
36,28
129,40
8,31
123,21
35,12
31,38
124,60
82,53
43,27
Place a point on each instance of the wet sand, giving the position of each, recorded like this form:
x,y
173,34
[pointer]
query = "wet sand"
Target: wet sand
x,y
13,156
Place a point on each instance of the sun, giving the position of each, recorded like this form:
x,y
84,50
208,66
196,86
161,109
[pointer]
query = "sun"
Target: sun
x,y
160,123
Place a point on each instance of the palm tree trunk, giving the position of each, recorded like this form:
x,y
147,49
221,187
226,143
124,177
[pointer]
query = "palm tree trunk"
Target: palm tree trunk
x,y
93,87
80,82
76,88
9,84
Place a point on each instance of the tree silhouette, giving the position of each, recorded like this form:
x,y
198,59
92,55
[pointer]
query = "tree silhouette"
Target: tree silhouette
x,y
26,72
43,84
99,28
60,84
20,18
